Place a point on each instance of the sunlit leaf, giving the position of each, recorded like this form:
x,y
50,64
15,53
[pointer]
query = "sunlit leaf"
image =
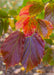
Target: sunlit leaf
x,y
44,28
24,4
32,9
19,24
11,22
28,24
41,15
36,0
25,10
13,48
34,51
45,1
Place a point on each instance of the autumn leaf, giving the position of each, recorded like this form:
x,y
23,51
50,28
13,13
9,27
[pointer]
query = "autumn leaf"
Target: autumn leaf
x,y
11,22
44,28
31,24
33,8
28,24
36,8
25,10
49,12
13,48
19,24
27,50
34,51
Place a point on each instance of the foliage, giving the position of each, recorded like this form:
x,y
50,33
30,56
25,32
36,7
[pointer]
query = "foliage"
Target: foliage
x,y
31,41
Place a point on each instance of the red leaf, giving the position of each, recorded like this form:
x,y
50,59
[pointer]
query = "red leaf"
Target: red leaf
x,y
44,28
28,25
34,51
49,12
19,23
25,10
29,51
33,8
13,48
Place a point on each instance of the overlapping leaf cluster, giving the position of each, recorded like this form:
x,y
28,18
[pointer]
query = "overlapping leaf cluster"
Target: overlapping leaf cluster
x,y
26,45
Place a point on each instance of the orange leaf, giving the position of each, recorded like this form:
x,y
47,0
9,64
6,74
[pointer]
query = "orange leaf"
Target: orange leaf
x,y
19,23
44,28
29,26
25,10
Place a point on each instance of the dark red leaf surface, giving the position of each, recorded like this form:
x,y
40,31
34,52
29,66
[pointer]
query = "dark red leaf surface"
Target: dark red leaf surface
x,y
13,48
34,51
27,50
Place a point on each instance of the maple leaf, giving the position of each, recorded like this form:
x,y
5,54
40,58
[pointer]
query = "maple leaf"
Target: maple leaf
x,y
13,48
44,28
49,12
34,51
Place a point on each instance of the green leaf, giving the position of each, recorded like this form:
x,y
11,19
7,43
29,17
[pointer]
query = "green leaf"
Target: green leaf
x,y
52,62
3,14
36,0
5,26
45,1
48,56
24,4
1,27
41,15
49,41
52,36
12,12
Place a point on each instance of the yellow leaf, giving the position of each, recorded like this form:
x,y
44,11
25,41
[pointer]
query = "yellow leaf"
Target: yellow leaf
x,y
17,17
11,22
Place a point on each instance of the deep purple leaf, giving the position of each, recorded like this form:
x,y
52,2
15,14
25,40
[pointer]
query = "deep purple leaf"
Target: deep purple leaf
x,y
34,51
13,48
